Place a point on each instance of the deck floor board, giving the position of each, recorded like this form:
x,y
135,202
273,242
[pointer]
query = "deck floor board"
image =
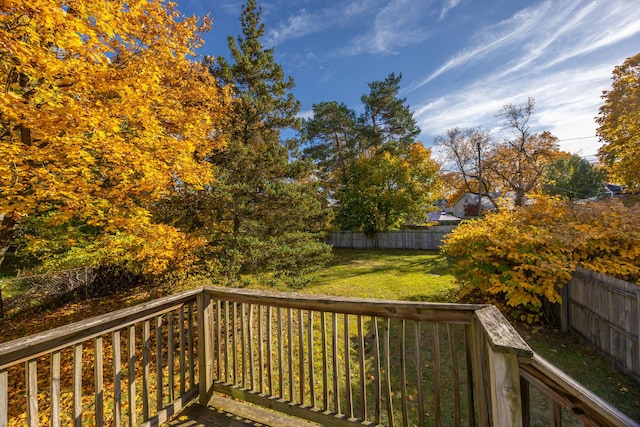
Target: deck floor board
x,y
225,412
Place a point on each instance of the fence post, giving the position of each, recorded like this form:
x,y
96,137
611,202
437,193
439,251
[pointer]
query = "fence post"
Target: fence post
x,y
564,308
205,347
638,325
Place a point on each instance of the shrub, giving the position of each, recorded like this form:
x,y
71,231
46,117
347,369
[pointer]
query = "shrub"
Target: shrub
x,y
525,255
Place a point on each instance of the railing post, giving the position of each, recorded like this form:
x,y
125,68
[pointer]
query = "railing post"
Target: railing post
x,y
500,347
205,347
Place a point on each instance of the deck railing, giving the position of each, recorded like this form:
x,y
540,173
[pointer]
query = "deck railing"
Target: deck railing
x,y
132,367
334,361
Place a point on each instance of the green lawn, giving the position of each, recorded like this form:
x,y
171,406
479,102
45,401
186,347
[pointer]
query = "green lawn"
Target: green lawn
x,y
386,274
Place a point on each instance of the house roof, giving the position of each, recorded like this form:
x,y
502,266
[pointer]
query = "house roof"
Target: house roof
x,y
613,188
442,216
472,198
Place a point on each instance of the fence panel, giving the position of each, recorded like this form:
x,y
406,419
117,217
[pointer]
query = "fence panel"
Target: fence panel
x,y
427,239
605,312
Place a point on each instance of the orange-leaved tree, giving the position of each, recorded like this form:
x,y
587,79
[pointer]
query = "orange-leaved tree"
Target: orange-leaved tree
x,y
103,112
523,256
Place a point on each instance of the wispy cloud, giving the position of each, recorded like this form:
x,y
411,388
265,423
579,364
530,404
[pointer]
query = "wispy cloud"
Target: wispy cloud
x,y
560,52
400,23
305,22
495,39
448,5
383,26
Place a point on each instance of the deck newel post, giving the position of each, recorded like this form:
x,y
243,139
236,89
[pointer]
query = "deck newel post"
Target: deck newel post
x,y
505,394
205,347
480,375
499,345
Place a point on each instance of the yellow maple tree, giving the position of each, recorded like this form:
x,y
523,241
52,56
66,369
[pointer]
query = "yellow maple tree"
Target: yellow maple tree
x,y
104,110
619,125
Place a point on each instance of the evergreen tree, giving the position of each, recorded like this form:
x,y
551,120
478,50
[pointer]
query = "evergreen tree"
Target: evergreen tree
x,y
387,123
265,207
331,136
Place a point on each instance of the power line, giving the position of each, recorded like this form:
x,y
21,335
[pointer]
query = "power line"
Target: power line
x,y
580,137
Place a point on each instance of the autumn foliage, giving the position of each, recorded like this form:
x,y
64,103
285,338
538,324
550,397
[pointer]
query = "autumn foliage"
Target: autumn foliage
x,y
619,125
103,113
523,256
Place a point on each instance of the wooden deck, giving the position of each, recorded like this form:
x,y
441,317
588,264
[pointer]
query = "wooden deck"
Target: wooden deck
x,y
224,412
289,360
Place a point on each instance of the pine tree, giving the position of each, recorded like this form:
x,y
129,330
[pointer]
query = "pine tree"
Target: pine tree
x,y
266,208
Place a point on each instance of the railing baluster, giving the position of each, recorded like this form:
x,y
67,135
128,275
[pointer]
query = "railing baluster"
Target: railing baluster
x,y
146,343
234,342
227,337
55,389
387,370
31,374
4,398
117,379
290,348
77,385
336,371
183,376
270,348
468,346
191,352
159,370
418,346
243,348
436,374
131,398
219,343
252,378
555,413
456,377
261,348
376,367
312,377
98,380
347,367
301,366
170,357
363,367
280,355
525,393
325,362
403,372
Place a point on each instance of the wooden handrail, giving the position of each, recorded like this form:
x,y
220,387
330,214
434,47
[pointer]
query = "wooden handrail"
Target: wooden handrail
x,y
564,391
421,311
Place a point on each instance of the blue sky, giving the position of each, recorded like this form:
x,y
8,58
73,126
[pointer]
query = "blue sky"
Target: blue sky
x,y
461,60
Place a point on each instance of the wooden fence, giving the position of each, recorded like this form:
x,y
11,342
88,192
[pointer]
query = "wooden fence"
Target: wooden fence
x,y
428,239
605,312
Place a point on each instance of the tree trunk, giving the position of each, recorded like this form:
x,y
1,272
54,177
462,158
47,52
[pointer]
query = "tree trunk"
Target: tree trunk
x,y
7,227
